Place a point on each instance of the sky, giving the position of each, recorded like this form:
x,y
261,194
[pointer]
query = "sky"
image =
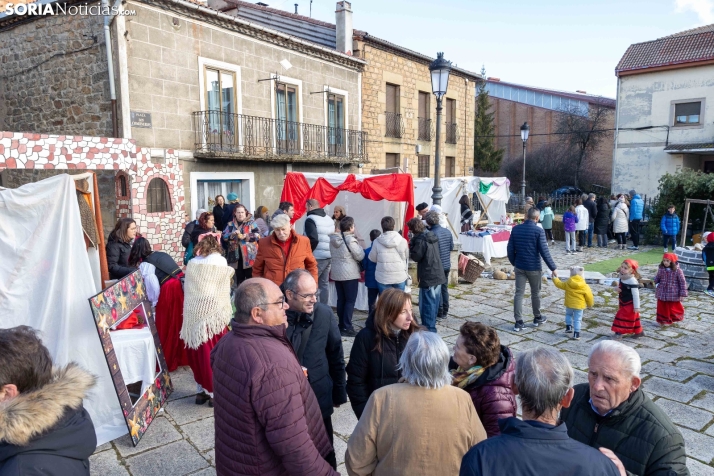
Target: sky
x,y
555,44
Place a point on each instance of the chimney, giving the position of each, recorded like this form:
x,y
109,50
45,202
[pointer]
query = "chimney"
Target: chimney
x,y
343,22
296,5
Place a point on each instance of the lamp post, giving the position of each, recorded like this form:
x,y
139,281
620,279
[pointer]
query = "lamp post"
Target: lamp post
x,y
439,69
524,136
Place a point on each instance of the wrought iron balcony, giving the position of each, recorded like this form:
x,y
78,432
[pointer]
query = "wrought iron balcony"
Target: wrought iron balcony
x,y
452,133
395,125
425,129
219,134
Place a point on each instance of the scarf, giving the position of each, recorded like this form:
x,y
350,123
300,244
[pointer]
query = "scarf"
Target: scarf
x,y
207,304
464,378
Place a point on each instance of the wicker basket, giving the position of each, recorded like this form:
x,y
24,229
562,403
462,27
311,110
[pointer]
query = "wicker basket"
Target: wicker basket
x,y
470,268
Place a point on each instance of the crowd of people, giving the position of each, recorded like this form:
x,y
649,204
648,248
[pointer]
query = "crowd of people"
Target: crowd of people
x,y
250,316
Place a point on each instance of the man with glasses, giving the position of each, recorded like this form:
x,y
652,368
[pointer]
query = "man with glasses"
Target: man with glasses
x,y
267,419
313,332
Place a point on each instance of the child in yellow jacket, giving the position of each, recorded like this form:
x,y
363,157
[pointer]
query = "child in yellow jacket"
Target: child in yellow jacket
x,y
578,296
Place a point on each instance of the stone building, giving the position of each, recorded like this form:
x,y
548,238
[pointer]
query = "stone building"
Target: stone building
x,y
665,96
399,111
238,103
514,104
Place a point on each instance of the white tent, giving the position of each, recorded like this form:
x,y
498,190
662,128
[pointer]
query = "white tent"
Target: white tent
x,y
45,281
492,191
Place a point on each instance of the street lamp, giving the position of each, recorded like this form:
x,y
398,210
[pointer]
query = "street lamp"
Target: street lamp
x,y
440,69
524,136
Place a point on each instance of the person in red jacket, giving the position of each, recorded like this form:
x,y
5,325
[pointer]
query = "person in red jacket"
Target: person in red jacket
x,y
485,370
267,418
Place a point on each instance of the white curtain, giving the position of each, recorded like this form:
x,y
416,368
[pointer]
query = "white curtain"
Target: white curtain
x,y
46,281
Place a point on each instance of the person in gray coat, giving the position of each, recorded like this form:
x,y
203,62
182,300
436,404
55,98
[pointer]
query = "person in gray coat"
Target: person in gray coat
x,y
347,255
318,227
446,244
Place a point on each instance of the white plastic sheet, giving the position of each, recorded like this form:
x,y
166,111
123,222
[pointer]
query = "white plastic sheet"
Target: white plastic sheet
x,y
45,281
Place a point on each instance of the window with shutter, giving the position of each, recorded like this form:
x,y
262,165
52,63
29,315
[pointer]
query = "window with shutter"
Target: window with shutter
x,y
687,113
392,98
423,169
450,167
392,161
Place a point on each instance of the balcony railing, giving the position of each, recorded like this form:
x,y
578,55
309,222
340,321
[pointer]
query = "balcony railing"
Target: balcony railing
x,y
227,135
395,125
452,133
425,129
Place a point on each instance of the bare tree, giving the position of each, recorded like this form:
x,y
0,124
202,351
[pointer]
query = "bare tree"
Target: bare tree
x,y
583,130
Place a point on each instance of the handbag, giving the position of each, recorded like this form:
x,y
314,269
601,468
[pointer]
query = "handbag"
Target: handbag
x,y
359,262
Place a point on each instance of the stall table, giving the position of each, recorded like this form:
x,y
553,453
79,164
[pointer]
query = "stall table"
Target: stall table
x,y
490,246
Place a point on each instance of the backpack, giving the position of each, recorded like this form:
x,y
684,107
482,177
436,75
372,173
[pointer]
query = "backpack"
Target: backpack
x,y
189,254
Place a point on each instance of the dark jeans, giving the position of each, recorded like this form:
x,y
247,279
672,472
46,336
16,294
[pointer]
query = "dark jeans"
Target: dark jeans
x,y
621,240
429,305
444,302
381,287
331,458
581,237
635,232
602,240
372,294
591,227
242,274
711,281
346,297
666,239
548,234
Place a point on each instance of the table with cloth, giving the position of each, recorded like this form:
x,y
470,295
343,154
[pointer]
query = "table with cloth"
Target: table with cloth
x,y
490,246
136,355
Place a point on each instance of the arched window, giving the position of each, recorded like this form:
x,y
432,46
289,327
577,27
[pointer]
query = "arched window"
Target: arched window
x,y
157,196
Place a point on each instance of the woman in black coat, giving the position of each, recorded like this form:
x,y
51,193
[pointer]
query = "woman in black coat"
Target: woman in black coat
x,y
218,211
602,220
204,225
119,248
376,350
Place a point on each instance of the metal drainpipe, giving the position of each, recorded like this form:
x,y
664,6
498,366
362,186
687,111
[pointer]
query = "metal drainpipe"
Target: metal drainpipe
x,y
110,68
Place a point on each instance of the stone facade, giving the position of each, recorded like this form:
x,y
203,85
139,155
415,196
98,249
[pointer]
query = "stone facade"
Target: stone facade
x,y
79,153
53,76
411,73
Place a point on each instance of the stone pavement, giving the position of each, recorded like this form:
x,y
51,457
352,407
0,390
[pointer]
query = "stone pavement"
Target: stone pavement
x,y
678,371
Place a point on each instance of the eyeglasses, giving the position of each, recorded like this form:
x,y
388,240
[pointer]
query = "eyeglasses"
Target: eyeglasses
x,y
281,302
316,295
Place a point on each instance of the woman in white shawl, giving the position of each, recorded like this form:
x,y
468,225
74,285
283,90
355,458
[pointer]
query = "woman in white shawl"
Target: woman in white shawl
x,y
207,310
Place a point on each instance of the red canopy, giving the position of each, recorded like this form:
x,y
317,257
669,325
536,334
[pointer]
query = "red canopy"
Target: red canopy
x,y
392,187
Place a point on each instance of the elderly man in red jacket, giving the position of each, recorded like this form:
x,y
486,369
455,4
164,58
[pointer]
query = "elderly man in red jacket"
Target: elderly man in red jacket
x,y
267,418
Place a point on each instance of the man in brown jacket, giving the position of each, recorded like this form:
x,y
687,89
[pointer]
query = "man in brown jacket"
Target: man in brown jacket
x,y
282,252
267,419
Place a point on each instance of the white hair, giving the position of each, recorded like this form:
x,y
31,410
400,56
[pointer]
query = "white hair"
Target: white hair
x,y
200,212
280,221
425,361
543,377
630,359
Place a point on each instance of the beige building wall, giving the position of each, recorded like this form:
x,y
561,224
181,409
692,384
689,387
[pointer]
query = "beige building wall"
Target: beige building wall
x,y
412,76
648,99
164,52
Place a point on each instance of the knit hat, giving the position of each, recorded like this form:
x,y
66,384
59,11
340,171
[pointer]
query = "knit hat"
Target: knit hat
x,y
633,264
710,237
670,256
576,271
435,208
232,197
422,206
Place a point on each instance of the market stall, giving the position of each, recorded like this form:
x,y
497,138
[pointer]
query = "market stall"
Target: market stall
x,y
366,198
491,242
491,192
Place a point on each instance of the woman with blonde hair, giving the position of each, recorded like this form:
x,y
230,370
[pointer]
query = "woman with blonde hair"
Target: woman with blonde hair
x,y
207,310
374,359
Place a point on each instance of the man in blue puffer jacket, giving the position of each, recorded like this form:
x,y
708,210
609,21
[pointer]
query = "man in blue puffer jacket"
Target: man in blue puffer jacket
x,y
446,244
669,227
525,248
637,208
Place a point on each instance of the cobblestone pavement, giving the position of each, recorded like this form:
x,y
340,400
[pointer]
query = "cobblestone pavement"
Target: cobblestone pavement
x,y
678,372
